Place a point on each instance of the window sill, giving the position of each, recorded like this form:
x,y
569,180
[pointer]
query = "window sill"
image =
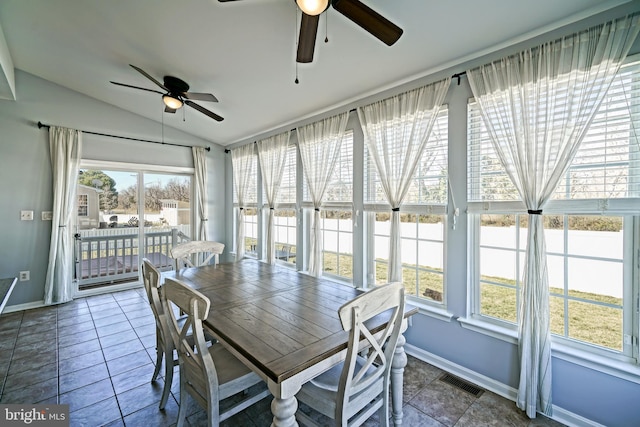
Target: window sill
x,y
439,313
614,365
491,329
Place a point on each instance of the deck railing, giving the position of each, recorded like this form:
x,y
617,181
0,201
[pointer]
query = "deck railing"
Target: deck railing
x,y
113,255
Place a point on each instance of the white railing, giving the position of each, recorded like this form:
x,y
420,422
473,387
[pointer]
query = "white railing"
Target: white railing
x,y
113,255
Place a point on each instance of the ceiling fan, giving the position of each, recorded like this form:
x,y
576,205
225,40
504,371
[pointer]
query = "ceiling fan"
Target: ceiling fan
x,y
176,94
361,14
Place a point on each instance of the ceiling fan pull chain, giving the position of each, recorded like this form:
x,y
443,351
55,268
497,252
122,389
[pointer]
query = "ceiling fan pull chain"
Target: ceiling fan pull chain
x,y
297,39
326,27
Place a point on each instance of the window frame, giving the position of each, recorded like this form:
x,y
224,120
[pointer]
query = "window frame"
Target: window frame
x,y
624,364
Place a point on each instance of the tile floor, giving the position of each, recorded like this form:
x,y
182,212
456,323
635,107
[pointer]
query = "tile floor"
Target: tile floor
x,y
96,354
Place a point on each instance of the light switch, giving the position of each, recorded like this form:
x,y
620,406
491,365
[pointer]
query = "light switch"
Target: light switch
x,y
26,215
47,215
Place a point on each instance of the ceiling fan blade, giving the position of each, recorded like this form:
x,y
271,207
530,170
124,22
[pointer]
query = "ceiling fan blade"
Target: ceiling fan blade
x,y
169,110
370,20
137,87
307,38
199,96
147,75
203,110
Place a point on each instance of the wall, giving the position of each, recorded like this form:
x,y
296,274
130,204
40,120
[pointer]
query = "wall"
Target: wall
x,y
25,170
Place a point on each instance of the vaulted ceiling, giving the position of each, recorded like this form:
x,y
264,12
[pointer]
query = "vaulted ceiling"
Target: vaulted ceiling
x,y
244,52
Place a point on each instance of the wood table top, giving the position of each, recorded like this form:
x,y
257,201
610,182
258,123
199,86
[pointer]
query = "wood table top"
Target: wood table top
x,y
280,320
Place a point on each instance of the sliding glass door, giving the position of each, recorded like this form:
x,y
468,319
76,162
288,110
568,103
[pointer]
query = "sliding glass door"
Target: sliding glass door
x,y
125,215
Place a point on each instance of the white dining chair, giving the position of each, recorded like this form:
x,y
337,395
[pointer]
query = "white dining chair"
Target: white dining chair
x,y
164,344
196,253
209,374
352,391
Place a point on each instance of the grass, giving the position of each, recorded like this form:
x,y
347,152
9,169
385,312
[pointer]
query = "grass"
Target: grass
x,y
588,321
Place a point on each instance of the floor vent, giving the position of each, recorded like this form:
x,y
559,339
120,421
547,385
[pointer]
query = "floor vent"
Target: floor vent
x,y
462,384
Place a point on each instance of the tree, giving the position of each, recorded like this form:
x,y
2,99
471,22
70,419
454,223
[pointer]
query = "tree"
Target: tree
x,y
99,180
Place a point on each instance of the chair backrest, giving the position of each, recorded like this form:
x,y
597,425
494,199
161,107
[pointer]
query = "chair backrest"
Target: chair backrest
x,y
373,370
151,280
196,362
196,253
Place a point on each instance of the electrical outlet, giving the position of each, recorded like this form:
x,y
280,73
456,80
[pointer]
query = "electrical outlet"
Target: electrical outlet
x,y
24,276
47,215
26,215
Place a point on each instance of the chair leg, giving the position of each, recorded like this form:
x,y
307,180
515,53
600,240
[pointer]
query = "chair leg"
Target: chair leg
x,y
160,354
168,377
184,402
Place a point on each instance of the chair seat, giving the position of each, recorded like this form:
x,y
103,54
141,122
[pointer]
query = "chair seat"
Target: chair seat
x,y
330,380
233,375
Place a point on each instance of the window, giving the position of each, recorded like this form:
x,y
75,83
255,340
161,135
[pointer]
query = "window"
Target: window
x,y
589,229
285,216
83,205
422,220
250,210
337,216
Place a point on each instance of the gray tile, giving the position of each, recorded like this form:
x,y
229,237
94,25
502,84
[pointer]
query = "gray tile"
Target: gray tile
x,y
43,346
79,349
114,328
31,362
76,320
133,378
443,402
31,376
83,377
98,414
87,395
33,393
140,397
115,339
152,416
129,362
73,344
109,320
414,417
76,328
81,362
122,349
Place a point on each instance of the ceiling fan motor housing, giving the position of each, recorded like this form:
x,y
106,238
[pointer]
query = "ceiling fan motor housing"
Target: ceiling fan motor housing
x,y
175,85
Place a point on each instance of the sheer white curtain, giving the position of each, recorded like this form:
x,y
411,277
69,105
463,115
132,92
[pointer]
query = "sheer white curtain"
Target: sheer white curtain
x,y
272,154
200,178
319,145
537,107
242,162
65,146
396,131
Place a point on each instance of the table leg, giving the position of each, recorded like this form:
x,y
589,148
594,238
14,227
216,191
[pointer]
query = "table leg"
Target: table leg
x,y
397,372
283,409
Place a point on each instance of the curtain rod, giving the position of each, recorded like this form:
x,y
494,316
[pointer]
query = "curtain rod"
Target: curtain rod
x,y
455,76
42,125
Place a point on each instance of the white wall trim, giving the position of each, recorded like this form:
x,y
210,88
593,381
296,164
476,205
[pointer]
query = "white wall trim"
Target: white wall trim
x,y
25,306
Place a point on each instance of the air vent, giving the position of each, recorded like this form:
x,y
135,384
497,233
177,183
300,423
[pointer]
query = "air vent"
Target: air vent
x,y
461,384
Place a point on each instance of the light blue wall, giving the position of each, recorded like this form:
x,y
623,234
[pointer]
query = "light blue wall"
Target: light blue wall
x,y
25,170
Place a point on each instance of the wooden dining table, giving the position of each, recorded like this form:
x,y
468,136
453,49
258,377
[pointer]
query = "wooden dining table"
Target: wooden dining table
x,y
284,325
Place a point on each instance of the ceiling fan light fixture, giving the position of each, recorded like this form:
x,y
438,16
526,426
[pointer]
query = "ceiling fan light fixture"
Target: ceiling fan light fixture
x,y
172,101
312,7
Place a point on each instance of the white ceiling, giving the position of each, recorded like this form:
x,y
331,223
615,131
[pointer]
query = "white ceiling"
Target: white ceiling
x,y
244,52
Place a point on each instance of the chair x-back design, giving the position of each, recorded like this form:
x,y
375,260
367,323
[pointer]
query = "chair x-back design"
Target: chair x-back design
x,y
196,253
352,391
208,373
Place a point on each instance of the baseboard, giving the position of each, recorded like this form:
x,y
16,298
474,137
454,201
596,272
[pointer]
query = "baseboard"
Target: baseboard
x,y
25,306
559,414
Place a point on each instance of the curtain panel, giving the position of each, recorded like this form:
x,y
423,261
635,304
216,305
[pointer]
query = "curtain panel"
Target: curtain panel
x,y
272,155
396,131
65,147
319,145
537,106
242,162
200,175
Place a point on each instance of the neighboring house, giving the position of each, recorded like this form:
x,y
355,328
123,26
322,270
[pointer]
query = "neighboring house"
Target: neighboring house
x,y
88,200
175,212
